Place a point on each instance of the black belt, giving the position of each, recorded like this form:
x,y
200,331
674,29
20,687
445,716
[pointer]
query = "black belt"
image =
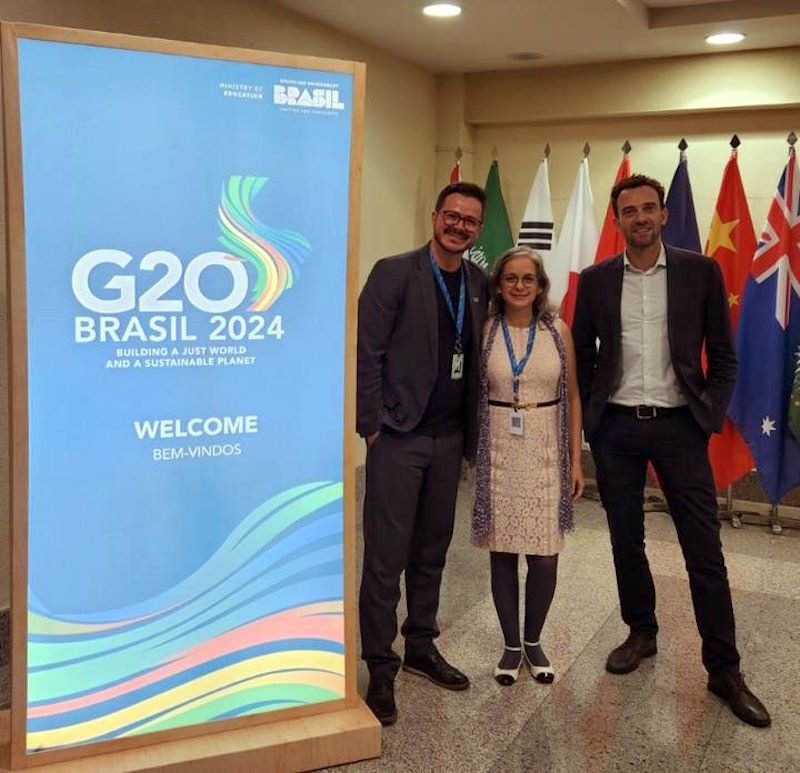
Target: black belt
x,y
522,406
646,411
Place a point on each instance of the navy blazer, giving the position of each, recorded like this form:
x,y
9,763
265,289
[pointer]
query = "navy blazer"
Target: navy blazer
x,y
398,344
697,314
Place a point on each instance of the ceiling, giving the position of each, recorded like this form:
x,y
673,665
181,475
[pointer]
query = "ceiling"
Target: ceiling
x,y
561,31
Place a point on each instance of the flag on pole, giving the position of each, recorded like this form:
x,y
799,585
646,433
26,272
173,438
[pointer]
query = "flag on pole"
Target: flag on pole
x,y
455,174
496,235
681,228
577,242
611,240
768,342
732,243
536,230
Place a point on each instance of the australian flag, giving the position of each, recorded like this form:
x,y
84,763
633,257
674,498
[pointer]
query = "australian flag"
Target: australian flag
x,y
768,342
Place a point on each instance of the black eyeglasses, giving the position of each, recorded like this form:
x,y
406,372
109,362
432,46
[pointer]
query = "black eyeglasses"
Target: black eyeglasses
x,y
453,218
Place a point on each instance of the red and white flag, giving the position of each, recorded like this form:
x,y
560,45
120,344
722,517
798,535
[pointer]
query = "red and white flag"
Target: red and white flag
x,y
577,242
611,240
732,243
455,174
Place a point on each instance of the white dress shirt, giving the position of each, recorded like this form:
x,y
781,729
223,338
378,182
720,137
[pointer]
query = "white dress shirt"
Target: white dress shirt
x,y
646,375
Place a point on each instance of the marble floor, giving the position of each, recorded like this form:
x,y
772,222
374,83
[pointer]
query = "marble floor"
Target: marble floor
x,y
659,718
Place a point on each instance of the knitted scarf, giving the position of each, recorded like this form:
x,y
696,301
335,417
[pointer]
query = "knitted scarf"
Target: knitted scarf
x,y
482,507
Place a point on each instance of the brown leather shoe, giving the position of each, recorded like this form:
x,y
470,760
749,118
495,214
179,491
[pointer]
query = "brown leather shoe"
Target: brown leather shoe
x,y
629,654
731,687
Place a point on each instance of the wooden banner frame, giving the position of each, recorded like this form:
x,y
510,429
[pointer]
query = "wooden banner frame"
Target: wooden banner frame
x,y
291,739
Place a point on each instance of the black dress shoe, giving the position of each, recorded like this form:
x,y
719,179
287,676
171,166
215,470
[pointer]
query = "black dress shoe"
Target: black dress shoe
x,y
434,667
380,699
731,687
629,654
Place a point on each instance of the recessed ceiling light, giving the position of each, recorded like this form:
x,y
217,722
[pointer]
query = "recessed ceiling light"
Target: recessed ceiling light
x,y
724,38
442,10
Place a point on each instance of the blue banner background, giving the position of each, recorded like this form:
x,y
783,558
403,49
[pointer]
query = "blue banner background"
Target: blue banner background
x,y
130,150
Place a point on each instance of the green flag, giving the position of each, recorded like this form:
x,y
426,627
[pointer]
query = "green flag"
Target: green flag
x,y
794,402
496,235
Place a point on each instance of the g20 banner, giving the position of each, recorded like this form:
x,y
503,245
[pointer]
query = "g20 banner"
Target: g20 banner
x,y
185,262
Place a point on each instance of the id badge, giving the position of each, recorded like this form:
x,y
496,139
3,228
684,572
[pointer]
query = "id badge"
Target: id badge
x,y
515,424
457,368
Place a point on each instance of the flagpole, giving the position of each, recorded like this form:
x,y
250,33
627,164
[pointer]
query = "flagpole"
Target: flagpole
x,y
775,523
734,515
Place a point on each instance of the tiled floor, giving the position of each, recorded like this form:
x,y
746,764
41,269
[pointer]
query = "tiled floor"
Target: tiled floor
x,y
659,718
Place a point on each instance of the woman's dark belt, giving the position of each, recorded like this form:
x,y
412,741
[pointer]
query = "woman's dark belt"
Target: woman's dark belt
x,y
522,406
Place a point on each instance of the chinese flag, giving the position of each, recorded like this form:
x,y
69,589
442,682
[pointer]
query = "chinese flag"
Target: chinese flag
x,y
732,243
611,242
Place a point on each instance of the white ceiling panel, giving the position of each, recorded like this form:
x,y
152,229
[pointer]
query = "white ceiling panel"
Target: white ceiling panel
x,y
561,31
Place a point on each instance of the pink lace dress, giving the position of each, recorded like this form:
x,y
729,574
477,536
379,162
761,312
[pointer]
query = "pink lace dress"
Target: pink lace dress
x,y
524,472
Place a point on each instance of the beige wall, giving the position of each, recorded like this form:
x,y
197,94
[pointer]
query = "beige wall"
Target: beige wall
x,y
400,117
652,104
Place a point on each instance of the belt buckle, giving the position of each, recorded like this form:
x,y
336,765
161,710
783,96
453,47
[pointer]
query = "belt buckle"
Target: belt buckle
x,y
646,412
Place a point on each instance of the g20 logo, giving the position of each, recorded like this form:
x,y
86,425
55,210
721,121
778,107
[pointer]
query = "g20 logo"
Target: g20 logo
x,y
123,286
274,256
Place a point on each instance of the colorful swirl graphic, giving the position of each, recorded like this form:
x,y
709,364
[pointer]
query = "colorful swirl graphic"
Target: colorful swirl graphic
x,y
258,627
276,254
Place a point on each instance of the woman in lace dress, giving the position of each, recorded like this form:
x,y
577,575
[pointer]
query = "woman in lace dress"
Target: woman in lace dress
x,y
529,447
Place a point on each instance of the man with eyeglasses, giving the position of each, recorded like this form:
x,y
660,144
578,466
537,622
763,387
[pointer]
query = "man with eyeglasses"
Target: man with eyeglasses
x,y
420,317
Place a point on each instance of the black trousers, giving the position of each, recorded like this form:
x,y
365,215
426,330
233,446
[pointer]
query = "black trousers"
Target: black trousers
x,y
409,509
678,449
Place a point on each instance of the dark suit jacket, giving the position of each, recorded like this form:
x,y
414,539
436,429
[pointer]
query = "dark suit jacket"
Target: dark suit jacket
x,y
697,314
398,344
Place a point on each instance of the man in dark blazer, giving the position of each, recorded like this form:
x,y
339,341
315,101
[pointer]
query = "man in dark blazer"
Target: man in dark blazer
x,y
420,321
642,321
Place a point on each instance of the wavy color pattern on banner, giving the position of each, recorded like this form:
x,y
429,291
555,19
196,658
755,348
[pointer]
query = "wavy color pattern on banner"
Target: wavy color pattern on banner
x,y
276,254
258,627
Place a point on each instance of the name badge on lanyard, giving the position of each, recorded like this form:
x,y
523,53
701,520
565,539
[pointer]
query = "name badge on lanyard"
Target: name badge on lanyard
x,y
457,363
457,367
516,425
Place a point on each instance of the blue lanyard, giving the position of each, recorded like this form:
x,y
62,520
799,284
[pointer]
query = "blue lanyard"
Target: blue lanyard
x,y
518,367
462,295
